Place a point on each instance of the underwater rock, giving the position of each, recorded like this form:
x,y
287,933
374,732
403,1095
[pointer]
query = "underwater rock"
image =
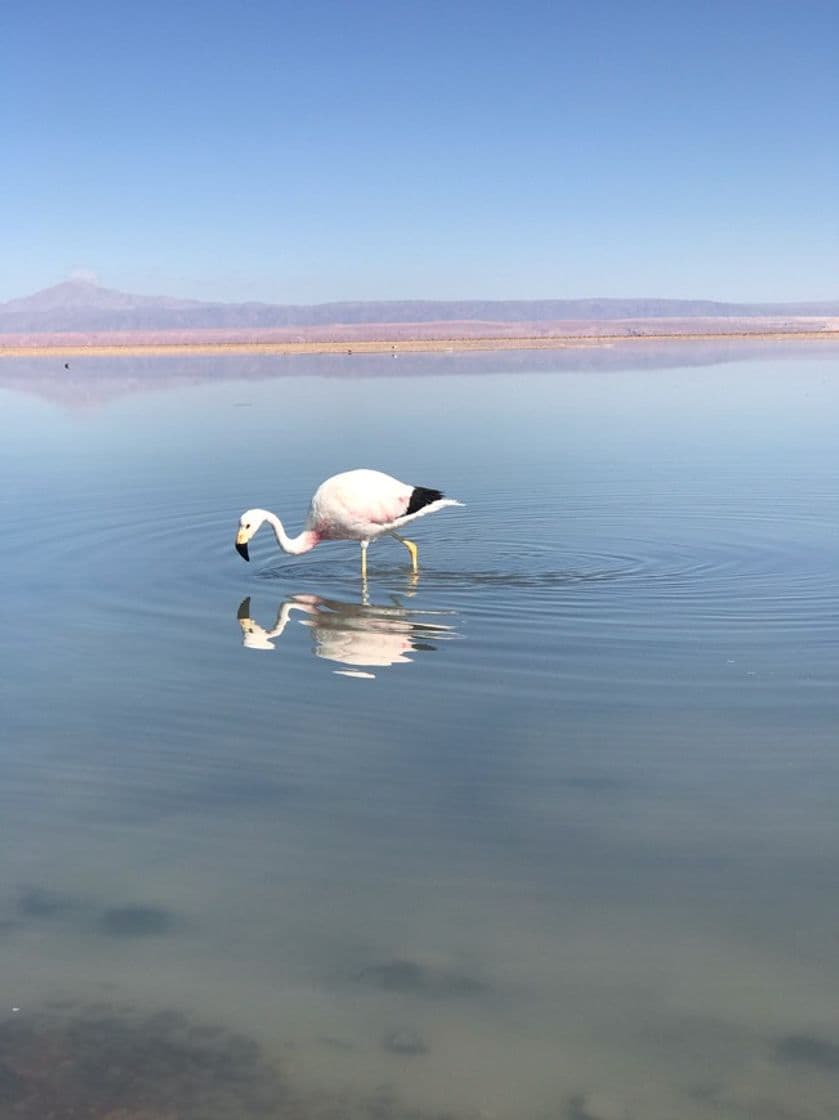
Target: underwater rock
x,y
71,1062
406,1042
408,976
35,901
136,921
807,1050
132,1067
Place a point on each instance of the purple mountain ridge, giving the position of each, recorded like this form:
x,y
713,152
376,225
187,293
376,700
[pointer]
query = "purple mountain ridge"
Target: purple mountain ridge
x,y
83,306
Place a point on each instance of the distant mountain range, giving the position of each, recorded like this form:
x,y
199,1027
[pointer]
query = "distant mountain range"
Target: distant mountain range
x,y
83,306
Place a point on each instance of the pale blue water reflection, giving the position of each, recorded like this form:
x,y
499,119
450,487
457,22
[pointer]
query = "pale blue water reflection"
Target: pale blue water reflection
x,y
566,849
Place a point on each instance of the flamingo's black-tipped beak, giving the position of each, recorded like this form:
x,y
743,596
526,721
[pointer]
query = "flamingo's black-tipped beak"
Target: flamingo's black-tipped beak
x,y
242,549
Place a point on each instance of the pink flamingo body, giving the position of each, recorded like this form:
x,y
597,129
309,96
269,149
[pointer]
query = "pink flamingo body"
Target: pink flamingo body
x,y
358,505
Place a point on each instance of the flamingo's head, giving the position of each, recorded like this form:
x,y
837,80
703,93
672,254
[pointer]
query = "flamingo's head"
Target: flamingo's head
x,y
249,522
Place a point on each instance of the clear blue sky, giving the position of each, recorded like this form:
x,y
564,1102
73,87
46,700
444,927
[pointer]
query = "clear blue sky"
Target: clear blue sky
x,y
311,151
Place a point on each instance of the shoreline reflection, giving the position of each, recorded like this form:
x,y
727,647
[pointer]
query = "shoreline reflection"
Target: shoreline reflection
x,y
359,635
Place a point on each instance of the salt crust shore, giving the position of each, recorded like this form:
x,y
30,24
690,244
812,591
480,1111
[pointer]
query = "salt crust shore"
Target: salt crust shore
x,y
403,346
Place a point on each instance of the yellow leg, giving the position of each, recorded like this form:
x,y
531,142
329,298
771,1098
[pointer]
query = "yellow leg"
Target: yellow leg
x,y
412,548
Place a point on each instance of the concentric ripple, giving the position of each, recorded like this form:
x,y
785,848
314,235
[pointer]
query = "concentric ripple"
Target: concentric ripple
x,y
710,567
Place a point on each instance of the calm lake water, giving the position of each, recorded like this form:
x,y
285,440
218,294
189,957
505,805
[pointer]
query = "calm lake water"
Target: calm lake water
x,y
547,833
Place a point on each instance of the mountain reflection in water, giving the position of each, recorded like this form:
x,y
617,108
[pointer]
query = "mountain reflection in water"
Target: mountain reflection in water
x,y
359,635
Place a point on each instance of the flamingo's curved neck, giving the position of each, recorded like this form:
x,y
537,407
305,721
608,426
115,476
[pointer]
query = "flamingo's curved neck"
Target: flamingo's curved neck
x,y
303,542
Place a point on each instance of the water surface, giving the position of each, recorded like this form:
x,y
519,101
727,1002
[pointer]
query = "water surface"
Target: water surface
x,y
548,831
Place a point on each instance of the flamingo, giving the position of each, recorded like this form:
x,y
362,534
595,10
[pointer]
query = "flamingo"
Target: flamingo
x,y
358,505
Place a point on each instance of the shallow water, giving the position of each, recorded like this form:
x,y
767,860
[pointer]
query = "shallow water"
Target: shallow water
x,y
548,831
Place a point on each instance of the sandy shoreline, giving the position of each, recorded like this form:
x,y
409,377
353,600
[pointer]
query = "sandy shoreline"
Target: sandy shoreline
x,y
403,346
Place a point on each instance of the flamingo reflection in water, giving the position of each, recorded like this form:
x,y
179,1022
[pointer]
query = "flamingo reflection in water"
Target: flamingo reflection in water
x,y
358,635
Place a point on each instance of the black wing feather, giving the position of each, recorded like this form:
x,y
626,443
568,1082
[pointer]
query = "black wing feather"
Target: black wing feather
x,y
421,496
